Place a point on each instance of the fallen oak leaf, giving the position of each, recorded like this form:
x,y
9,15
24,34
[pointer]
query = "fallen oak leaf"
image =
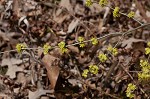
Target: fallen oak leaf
x,y
12,66
40,91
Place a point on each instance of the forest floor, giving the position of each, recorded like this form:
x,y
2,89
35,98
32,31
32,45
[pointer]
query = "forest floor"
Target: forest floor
x,y
90,51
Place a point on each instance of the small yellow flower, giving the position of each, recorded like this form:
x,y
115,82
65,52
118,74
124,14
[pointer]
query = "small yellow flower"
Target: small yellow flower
x,y
46,48
130,89
93,69
102,57
116,12
103,2
145,74
62,47
114,51
110,48
148,44
20,47
61,44
94,41
80,40
144,63
147,51
146,70
131,14
85,73
88,3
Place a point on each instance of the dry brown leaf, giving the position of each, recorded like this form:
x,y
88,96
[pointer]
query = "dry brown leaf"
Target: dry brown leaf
x,y
128,43
73,49
3,96
15,9
142,10
12,66
38,93
79,10
52,71
74,82
60,18
66,4
21,79
3,36
96,8
72,25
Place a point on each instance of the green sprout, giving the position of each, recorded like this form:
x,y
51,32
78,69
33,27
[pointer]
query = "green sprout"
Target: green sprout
x,y
116,12
93,69
130,89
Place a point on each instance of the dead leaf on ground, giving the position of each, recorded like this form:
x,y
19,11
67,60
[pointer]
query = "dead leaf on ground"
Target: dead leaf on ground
x,y
40,91
72,25
60,18
12,66
128,43
66,4
3,36
52,71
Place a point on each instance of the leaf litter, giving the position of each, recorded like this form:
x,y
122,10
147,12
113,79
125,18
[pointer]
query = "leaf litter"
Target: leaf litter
x,y
57,76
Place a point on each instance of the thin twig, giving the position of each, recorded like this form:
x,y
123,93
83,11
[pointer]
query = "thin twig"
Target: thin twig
x,y
100,38
125,15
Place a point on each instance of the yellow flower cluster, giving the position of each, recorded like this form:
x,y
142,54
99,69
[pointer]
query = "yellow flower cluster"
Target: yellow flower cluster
x,y
114,51
131,14
129,92
148,44
85,73
103,2
46,49
20,47
147,50
102,57
88,3
145,74
94,41
116,12
80,40
62,47
93,69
